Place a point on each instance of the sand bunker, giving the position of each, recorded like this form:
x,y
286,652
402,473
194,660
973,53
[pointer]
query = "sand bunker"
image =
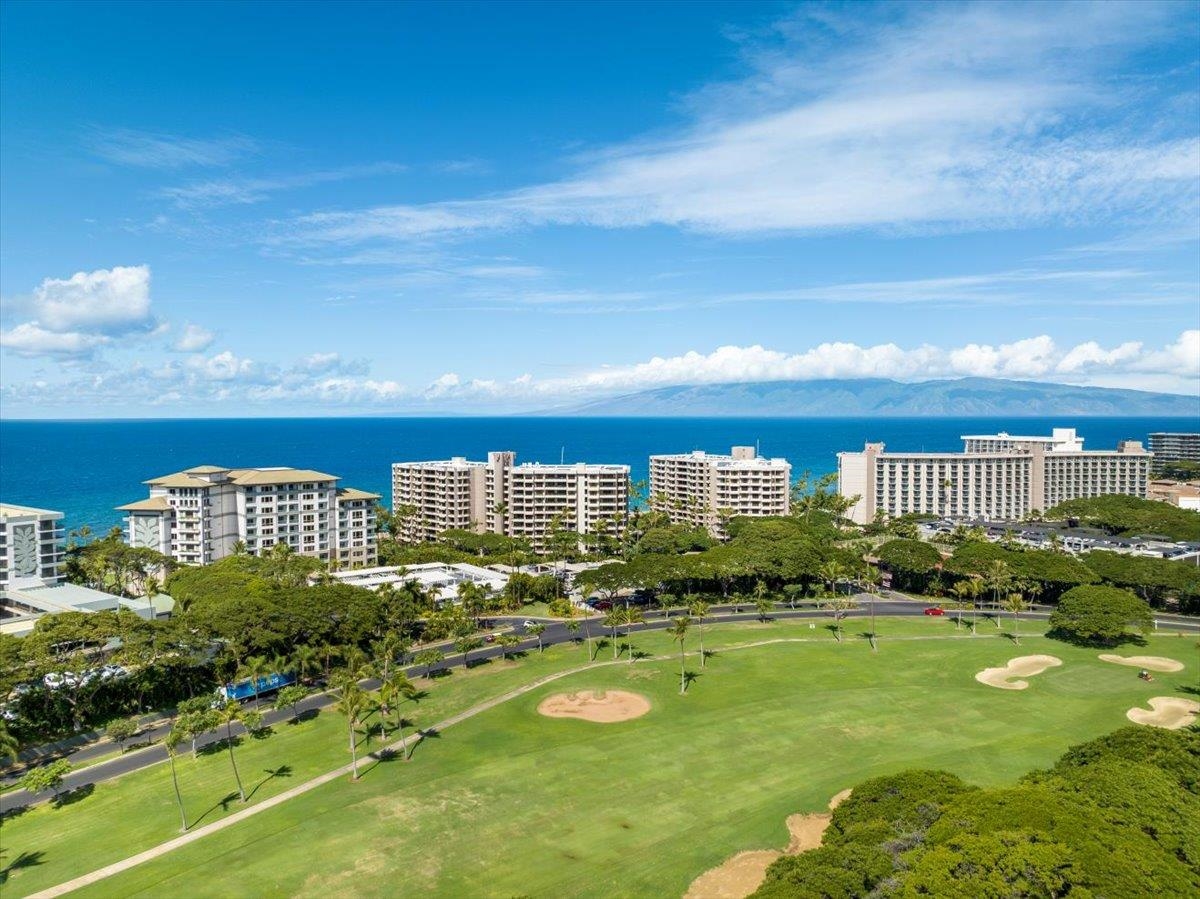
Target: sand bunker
x,y
1150,663
1170,712
745,872
1022,666
736,878
601,706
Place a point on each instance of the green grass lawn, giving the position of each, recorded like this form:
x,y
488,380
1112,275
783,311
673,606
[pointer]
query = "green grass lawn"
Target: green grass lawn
x,y
511,803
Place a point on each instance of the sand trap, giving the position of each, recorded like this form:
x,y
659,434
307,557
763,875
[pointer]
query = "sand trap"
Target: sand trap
x,y
601,706
1150,663
1022,666
736,878
1170,712
745,872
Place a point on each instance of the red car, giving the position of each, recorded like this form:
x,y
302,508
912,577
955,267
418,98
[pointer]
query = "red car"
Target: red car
x,y
935,610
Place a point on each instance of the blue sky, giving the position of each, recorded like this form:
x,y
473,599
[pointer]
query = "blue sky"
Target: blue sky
x,y
263,209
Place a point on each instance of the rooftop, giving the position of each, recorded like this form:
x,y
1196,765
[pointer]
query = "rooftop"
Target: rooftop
x,y
11,510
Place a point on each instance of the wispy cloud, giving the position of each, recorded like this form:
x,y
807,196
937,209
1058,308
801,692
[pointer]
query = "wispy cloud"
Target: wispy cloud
x,y
955,117
241,190
157,150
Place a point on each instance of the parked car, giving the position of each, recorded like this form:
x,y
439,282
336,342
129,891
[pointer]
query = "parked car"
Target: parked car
x,y
935,610
528,623
53,680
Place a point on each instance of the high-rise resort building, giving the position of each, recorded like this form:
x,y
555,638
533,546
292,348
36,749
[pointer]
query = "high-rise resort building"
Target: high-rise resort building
x,y
1170,446
30,546
501,497
996,476
705,490
197,516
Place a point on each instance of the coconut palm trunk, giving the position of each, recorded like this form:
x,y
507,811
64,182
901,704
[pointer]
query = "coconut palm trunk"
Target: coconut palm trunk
x,y
353,749
232,760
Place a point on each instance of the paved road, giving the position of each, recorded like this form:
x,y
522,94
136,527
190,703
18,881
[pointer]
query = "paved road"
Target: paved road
x,y
556,632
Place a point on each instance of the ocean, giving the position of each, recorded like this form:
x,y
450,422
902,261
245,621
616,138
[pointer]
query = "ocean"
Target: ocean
x,y
86,468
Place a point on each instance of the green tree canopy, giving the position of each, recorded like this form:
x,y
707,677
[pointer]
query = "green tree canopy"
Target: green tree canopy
x,y
1100,615
1130,516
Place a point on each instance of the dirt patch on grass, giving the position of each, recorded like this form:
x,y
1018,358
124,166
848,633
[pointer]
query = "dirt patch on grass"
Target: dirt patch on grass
x,y
1022,666
1150,663
741,875
600,706
1170,712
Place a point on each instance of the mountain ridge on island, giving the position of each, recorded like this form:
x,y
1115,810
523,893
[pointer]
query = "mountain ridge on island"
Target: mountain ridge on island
x,y
854,397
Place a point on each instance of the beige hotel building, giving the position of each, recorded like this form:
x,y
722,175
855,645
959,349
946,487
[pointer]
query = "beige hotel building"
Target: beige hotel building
x,y
996,476
197,516
702,489
501,497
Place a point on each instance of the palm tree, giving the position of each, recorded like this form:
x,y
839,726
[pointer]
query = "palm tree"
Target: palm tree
x,y
464,645
679,629
352,704
9,746
385,650
832,572
507,641
964,590
871,580
305,661
698,609
997,576
171,745
764,606
839,605
613,620
227,715
1016,605
573,627
633,615
537,630
255,668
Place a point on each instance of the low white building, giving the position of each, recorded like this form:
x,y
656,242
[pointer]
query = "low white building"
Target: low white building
x,y
440,579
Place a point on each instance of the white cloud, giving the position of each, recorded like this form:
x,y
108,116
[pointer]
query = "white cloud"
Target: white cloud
x,y
72,317
322,380
194,339
148,149
223,366
107,301
30,339
954,117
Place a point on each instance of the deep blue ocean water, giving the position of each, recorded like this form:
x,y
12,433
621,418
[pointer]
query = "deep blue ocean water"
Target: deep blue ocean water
x,y
85,468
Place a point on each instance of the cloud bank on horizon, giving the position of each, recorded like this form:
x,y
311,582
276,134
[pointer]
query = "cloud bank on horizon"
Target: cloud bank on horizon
x,y
894,191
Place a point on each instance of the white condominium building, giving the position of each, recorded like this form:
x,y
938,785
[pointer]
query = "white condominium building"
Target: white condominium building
x,y
702,489
501,497
30,547
198,515
431,497
997,476
1169,446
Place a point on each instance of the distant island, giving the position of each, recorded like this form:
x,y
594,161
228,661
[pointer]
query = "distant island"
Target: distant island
x,y
964,397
